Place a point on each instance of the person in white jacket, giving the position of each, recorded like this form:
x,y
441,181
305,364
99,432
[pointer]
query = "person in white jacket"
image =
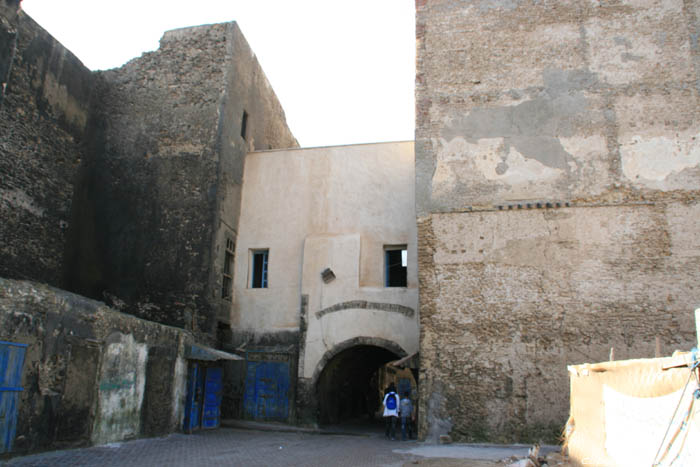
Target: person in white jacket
x,y
391,411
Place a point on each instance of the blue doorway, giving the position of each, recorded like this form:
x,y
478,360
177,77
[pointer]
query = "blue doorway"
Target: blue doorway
x,y
203,401
11,363
267,387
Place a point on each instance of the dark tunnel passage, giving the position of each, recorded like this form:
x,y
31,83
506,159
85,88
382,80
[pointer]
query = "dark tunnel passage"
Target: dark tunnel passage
x,y
347,389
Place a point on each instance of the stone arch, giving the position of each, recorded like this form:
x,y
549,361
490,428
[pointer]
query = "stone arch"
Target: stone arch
x,y
346,380
391,346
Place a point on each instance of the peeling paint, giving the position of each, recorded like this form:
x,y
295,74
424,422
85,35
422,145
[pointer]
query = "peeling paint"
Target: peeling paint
x,y
534,148
122,382
179,392
491,158
653,161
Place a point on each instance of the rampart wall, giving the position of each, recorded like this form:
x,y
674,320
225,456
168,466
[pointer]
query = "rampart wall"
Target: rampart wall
x,y
558,169
44,113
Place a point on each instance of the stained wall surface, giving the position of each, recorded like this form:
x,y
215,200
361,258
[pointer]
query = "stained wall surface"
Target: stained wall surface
x,y
91,375
44,107
331,208
160,193
557,177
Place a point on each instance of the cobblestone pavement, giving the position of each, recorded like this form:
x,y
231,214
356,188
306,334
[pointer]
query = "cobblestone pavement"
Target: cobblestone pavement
x,y
239,447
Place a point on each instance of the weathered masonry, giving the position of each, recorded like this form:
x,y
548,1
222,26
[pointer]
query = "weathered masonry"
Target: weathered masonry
x,y
122,186
557,178
551,213
158,197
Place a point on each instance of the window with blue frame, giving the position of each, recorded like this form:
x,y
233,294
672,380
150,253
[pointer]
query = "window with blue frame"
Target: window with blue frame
x,y
258,269
395,266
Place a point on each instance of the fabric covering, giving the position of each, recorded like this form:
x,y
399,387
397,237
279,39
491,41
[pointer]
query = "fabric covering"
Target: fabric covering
x,y
620,412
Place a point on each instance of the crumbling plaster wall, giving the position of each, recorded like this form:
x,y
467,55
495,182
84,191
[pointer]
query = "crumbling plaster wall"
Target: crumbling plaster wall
x,y
44,107
557,170
91,375
162,186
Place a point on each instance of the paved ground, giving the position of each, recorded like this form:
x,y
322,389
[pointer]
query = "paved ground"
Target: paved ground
x,y
246,447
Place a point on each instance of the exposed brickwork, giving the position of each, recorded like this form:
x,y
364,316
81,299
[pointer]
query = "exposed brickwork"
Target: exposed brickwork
x,y
124,185
160,193
42,128
520,103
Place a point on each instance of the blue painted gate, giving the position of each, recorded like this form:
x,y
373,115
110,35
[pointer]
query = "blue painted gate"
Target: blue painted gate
x,y
11,362
203,401
193,401
213,389
266,389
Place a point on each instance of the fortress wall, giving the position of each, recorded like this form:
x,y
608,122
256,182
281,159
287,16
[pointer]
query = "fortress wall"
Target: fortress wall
x,y
558,169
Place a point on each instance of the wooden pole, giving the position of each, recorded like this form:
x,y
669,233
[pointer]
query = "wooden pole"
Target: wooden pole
x,y
612,354
658,347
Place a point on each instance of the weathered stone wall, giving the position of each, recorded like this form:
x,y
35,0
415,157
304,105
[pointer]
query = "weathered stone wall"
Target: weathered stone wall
x,y
161,188
91,375
558,169
44,109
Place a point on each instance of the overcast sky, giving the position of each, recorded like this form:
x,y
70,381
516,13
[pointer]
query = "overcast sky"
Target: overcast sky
x,y
343,69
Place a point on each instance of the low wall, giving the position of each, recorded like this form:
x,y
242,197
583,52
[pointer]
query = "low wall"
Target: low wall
x,y
91,375
620,412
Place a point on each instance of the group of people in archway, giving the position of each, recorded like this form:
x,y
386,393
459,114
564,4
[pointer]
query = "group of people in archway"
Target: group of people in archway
x,y
396,408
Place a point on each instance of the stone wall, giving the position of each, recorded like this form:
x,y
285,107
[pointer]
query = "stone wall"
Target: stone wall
x,y
91,375
160,192
44,110
558,173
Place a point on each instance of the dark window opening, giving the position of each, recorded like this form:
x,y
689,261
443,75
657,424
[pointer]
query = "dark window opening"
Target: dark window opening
x,y
244,125
259,269
227,280
223,332
396,267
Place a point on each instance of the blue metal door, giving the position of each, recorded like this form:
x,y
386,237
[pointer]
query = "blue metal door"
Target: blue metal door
x,y
267,390
193,401
404,386
212,398
11,362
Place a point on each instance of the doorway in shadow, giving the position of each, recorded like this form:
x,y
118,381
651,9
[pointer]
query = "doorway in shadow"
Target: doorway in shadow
x,y
348,388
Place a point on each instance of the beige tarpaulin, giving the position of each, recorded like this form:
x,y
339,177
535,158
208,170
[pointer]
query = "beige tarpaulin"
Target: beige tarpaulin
x,y
621,412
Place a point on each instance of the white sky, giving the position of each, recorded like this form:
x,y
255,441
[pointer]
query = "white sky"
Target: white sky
x,y
343,69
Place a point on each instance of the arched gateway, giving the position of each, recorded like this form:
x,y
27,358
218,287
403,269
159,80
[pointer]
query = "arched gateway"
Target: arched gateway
x,y
347,379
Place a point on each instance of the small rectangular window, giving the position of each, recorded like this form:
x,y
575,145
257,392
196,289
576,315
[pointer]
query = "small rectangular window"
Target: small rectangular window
x,y
258,269
227,280
395,266
244,125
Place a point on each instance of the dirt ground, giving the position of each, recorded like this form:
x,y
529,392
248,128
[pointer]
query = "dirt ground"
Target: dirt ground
x,y
553,460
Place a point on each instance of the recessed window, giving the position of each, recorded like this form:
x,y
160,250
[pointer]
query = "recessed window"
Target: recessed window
x,y
227,279
258,269
395,266
244,125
